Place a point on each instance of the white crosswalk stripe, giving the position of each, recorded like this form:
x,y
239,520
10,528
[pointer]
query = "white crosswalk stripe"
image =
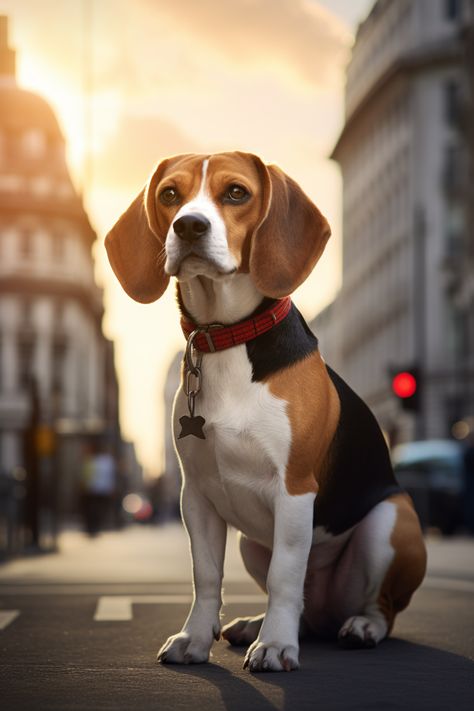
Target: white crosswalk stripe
x,y
7,617
118,608
113,608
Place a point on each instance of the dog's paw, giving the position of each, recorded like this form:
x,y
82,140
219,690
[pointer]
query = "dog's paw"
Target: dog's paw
x,y
360,632
182,648
243,630
263,657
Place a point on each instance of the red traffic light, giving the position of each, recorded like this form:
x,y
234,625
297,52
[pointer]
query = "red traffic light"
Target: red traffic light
x,y
404,384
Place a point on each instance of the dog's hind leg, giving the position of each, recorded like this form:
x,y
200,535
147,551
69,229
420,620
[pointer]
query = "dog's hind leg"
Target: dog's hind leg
x,y
380,569
256,559
244,630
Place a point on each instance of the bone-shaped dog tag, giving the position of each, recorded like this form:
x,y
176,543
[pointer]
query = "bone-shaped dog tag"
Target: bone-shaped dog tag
x,y
192,426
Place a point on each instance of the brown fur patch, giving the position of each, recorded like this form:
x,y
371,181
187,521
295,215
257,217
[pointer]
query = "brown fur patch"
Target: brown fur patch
x,y
136,243
290,239
240,220
184,174
313,410
408,567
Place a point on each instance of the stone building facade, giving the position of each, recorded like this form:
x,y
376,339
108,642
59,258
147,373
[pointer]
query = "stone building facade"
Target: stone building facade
x,y
406,156
56,366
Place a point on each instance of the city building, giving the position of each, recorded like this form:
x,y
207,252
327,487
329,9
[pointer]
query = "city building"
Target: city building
x,y
58,387
406,156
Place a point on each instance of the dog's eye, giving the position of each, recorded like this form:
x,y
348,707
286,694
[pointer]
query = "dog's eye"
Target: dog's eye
x,y
236,193
169,196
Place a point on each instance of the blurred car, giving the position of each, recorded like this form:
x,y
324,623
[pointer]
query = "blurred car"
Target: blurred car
x,y
431,471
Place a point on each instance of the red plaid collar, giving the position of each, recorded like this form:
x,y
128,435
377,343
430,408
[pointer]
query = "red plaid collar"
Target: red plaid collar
x,y
217,337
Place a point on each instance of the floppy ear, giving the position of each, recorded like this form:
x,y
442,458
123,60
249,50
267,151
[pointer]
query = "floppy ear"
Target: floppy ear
x,y
290,237
135,246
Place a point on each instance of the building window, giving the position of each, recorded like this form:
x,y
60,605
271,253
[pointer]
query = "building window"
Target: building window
x,y
452,96
58,355
454,231
458,332
41,185
26,243
453,171
26,343
34,143
461,334
57,246
25,348
452,9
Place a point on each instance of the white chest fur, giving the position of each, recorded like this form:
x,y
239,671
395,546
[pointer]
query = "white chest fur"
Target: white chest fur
x,y
243,458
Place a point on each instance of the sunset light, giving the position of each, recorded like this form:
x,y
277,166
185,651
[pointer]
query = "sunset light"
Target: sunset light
x,y
236,354
128,105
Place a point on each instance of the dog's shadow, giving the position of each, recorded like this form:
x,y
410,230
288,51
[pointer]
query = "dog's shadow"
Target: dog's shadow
x,y
397,675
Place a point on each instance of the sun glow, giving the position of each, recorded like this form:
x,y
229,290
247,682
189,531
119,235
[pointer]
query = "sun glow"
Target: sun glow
x,y
85,120
125,100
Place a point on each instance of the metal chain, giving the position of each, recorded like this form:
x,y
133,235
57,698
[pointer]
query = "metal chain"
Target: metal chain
x,y
193,372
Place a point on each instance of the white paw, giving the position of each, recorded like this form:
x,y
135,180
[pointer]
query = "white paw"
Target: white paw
x,y
182,648
361,632
242,630
262,657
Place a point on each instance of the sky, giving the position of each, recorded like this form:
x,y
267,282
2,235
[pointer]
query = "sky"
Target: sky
x,y
134,81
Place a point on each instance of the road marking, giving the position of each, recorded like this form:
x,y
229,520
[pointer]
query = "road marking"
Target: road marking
x,y
118,608
7,617
89,588
113,608
432,581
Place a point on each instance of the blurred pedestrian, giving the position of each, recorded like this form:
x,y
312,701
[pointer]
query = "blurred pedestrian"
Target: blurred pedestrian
x,y
98,482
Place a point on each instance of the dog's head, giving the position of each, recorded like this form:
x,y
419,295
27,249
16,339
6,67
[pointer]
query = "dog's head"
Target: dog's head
x,y
214,215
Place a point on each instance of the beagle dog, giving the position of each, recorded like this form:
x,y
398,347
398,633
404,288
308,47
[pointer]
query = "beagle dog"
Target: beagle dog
x,y
270,439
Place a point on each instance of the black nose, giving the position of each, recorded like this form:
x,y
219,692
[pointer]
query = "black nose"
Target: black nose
x,y
191,227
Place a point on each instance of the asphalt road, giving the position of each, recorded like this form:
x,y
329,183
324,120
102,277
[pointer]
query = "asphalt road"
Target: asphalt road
x,y
90,620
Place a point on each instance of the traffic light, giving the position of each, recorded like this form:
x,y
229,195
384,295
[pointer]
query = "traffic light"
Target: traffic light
x,y
406,386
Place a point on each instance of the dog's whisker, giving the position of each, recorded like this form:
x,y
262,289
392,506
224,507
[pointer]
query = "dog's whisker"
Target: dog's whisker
x,y
161,257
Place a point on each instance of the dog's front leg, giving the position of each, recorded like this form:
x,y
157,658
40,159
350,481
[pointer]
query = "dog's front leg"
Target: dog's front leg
x,y
207,533
276,647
